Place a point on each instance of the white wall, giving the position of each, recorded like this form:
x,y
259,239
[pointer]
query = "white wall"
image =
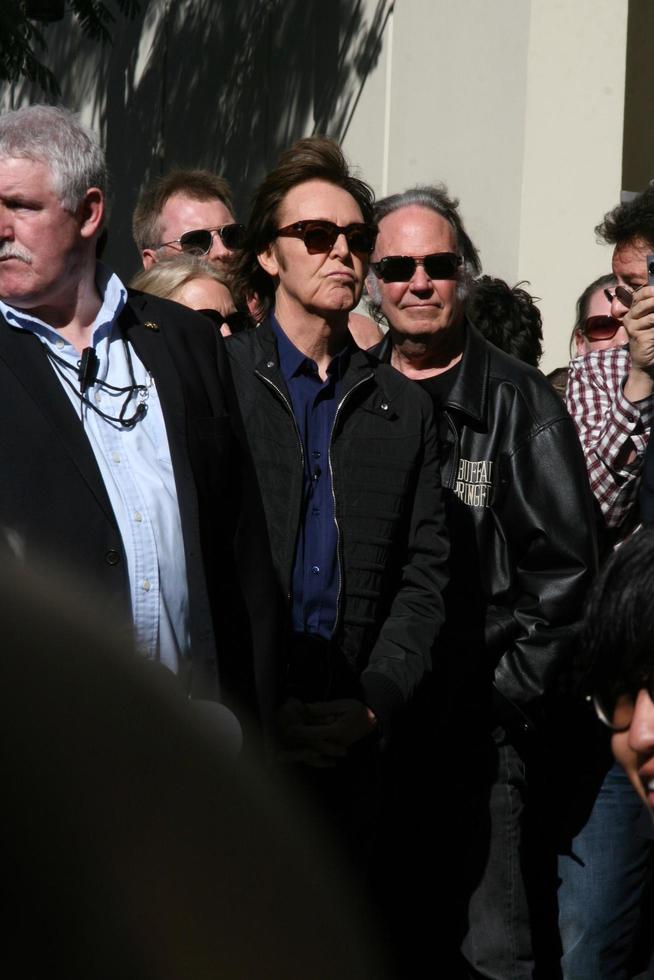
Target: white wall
x,y
518,106
573,153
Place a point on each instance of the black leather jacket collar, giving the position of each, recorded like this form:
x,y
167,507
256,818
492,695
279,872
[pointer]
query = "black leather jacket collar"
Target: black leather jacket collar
x,y
470,391
362,365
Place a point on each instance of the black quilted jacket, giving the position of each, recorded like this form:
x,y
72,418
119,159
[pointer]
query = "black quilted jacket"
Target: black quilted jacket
x,y
385,477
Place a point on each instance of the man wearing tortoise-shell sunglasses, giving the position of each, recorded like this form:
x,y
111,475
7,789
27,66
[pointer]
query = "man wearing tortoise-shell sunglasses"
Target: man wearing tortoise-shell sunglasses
x,y
186,211
346,459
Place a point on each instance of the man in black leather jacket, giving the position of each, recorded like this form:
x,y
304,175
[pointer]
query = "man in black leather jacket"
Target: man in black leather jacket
x,y
522,547
347,462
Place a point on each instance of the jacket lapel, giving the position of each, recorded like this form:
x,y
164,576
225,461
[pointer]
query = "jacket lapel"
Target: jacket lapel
x,y
146,338
24,355
149,340
469,393
267,359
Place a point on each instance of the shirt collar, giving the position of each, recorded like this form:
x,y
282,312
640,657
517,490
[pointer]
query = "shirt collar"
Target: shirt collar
x,y
291,360
112,293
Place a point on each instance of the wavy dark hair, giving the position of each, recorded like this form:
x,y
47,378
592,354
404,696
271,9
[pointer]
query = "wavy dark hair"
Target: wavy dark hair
x,y
630,220
312,158
507,317
618,634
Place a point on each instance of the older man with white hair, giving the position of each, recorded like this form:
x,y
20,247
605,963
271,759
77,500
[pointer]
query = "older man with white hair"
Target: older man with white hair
x,y
522,554
120,440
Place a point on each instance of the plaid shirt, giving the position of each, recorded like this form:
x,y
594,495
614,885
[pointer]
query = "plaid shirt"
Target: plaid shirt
x,y
610,427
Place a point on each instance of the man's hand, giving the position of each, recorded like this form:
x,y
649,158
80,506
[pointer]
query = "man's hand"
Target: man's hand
x,y
639,324
319,734
340,722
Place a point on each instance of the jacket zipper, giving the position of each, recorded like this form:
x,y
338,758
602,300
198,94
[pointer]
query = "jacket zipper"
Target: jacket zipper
x,y
299,440
455,453
339,554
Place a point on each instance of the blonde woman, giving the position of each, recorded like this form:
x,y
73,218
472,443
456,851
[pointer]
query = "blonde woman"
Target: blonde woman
x,y
195,282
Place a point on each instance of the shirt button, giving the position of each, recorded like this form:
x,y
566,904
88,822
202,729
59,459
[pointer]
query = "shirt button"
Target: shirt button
x,y
98,397
116,457
59,344
315,569
146,584
384,406
138,516
316,454
270,364
112,557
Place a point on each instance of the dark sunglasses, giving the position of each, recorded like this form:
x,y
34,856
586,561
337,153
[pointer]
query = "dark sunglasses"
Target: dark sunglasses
x,y
236,321
320,236
201,239
600,327
615,706
401,268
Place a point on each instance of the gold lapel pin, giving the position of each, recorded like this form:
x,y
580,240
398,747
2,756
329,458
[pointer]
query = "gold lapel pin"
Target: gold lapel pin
x,y
151,325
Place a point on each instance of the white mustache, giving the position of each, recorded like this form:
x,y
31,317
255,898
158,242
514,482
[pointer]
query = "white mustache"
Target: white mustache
x,y
9,251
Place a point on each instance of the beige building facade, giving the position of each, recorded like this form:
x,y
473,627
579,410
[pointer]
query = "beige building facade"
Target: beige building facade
x,y
517,105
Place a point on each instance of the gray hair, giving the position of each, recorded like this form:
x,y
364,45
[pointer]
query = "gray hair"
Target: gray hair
x,y
164,278
434,198
54,136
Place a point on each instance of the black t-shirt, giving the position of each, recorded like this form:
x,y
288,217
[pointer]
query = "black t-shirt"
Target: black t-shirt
x,y
463,669
439,386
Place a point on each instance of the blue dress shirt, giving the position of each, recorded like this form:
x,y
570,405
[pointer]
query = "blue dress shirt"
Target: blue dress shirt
x,y
137,472
316,572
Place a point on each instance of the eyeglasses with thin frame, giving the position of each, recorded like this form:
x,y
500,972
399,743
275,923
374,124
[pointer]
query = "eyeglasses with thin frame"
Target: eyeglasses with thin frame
x,y
320,236
615,707
623,293
401,268
200,240
597,328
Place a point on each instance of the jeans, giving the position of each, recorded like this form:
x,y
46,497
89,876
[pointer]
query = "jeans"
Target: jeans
x,y
498,943
602,885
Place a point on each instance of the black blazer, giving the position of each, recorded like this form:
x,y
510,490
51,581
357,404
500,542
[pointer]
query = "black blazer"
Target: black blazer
x,y
54,506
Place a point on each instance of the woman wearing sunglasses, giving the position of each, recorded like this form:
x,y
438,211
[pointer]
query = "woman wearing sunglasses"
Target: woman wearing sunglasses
x,y
197,283
595,328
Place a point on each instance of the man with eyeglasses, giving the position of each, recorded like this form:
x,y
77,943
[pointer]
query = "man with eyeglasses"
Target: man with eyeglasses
x,y
610,396
611,392
522,554
186,211
346,456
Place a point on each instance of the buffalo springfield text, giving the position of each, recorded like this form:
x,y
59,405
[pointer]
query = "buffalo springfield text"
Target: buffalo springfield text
x,y
473,482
